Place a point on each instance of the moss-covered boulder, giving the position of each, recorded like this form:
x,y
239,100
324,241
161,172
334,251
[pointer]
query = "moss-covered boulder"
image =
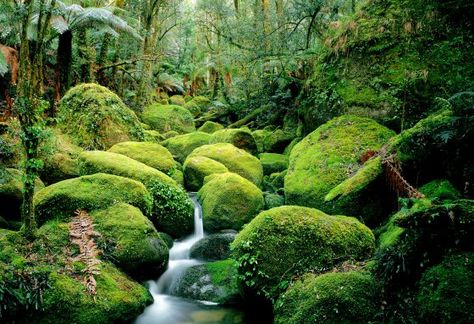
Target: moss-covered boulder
x,y
215,282
154,136
229,201
240,138
272,140
273,200
198,105
182,145
289,240
327,157
131,240
172,210
210,127
337,297
273,162
118,298
177,100
98,191
165,118
440,190
60,157
196,168
234,159
445,290
11,193
96,118
213,247
151,154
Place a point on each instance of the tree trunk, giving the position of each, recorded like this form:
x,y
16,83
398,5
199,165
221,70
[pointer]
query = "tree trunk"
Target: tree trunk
x,y
102,59
64,62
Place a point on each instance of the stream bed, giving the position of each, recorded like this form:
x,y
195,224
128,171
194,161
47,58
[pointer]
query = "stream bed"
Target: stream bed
x,y
168,309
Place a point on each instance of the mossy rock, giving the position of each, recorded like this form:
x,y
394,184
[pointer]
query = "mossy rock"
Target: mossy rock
x,y
327,157
108,162
234,159
273,162
96,118
165,118
335,297
170,134
172,210
130,240
278,179
272,140
229,201
177,100
198,105
118,298
152,154
210,127
240,138
196,168
260,136
273,200
154,136
287,241
194,109
11,193
98,191
60,158
445,290
440,190
182,145
215,282
213,247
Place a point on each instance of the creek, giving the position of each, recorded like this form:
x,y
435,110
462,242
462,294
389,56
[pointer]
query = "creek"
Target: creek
x,y
168,309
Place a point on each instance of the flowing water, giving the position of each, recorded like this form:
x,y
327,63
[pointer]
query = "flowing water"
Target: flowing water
x,y
167,309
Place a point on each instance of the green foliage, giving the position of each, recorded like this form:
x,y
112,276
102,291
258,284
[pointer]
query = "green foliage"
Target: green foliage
x,y
284,242
342,297
229,201
440,190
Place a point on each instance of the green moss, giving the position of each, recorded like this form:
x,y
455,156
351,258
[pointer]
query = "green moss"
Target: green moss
x,y
273,162
198,105
287,241
210,127
172,210
170,134
130,240
445,290
11,193
59,156
118,298
277,180
196,168
234,159
273,200
98,191
326,158
338,297
215,282
153,136
96,118
151,154
181,146
290,146
193,108
260,136
165,118
212,247
441,190
177,100
229,201
272,140
240,138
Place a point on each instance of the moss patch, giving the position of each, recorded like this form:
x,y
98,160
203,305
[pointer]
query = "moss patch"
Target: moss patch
x,y
96,118
98,191
344,297
165,118
229,201
287,241
181,146
196,168
273,162
440,190
234,159
210,127
240,138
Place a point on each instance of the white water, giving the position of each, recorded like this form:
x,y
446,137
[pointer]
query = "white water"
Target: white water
x,y
167,309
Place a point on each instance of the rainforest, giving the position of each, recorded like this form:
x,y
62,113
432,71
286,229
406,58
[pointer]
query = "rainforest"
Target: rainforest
x,y
236,162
